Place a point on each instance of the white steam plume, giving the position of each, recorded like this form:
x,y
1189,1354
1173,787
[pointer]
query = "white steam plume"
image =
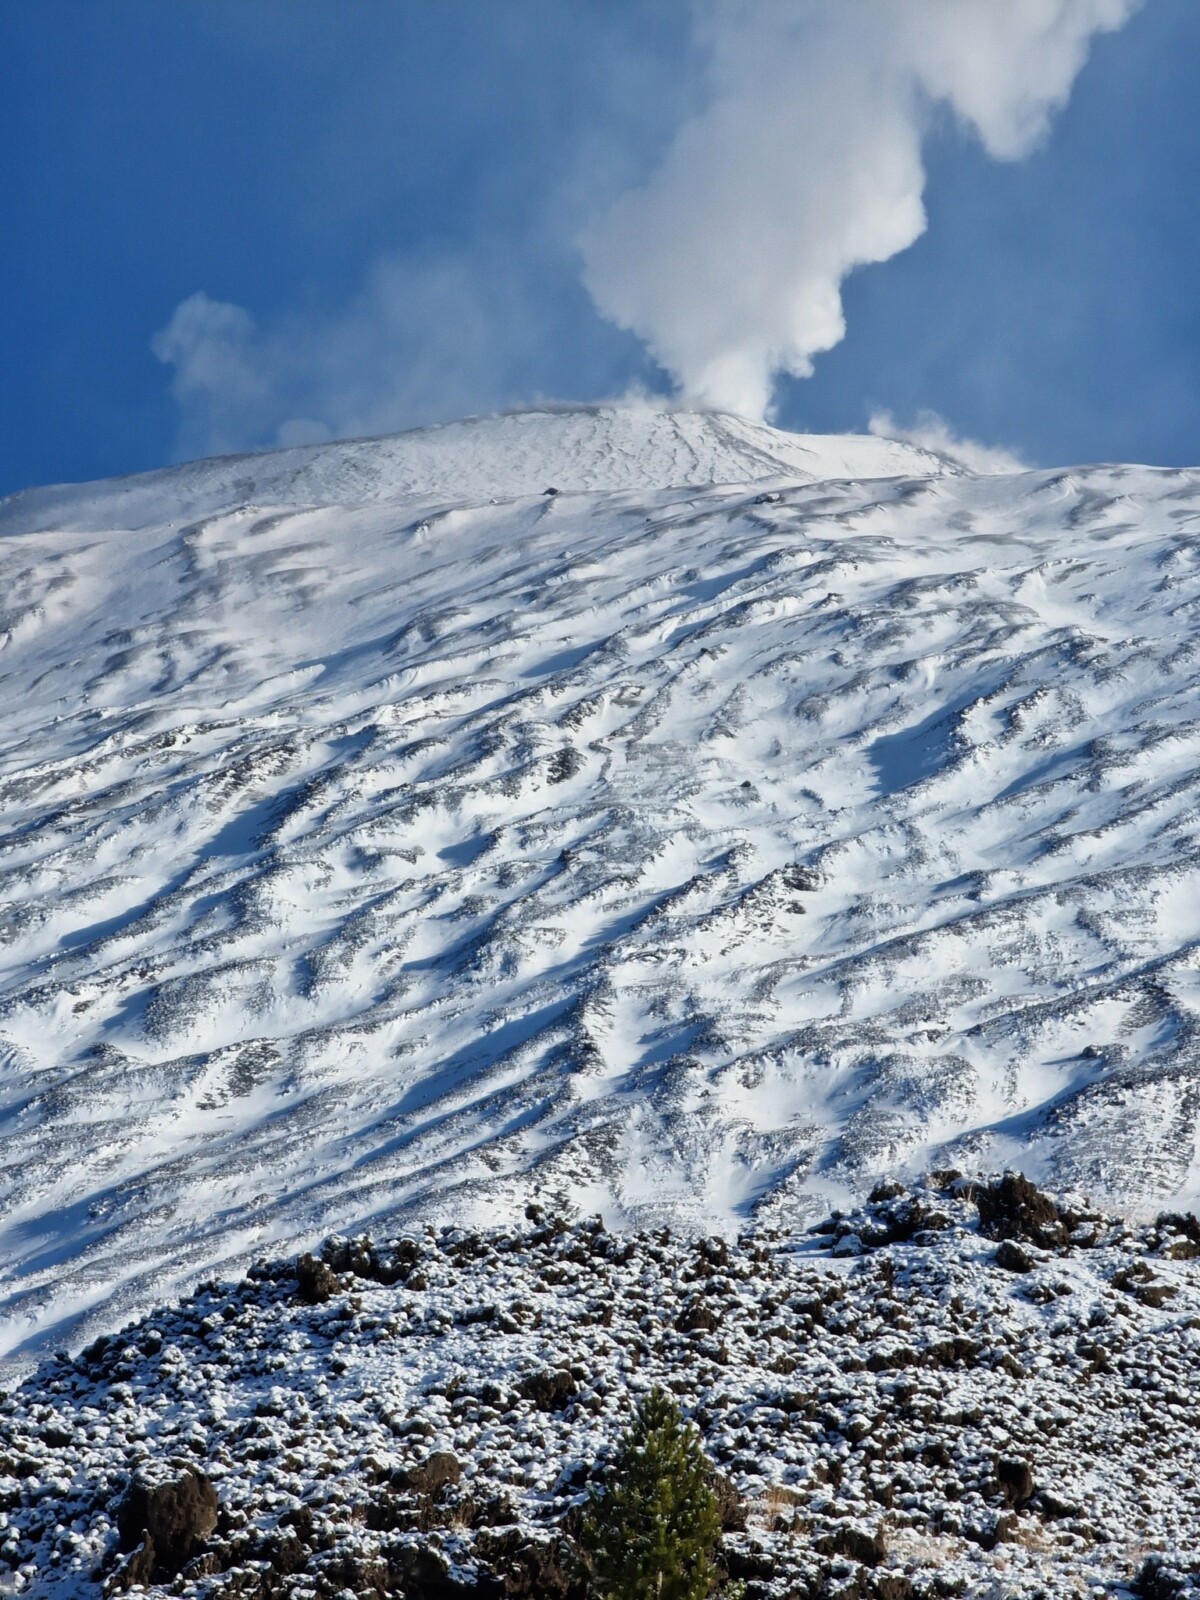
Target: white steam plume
x,y
932,432
807,162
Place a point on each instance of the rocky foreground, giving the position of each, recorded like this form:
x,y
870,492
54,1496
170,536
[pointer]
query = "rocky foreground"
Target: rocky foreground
x,y
957,1390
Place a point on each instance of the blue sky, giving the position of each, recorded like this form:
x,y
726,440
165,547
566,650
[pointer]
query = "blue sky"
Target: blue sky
x,y
382,206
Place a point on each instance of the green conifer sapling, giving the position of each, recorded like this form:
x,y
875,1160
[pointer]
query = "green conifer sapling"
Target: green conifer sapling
x,y
651,1533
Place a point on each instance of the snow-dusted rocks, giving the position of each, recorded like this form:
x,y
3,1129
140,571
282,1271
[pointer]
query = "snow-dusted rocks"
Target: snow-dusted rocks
x,y
907,1421
381,837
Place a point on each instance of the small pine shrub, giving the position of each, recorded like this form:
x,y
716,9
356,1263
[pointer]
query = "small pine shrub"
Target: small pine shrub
x,y
651,1533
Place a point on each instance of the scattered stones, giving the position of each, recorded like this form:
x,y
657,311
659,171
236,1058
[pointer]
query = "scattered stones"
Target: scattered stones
x,y
906,1424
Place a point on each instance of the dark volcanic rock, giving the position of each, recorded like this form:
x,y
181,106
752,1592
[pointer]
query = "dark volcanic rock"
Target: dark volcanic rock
x,y
165,1524
548,1391
394,1445
439,1471
315,1282
1014,1208
1012,1258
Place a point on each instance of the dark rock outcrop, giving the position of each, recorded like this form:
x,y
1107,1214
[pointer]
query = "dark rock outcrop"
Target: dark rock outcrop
x,y
164,1525
315,1281
548,1391
1014,1208
441,1470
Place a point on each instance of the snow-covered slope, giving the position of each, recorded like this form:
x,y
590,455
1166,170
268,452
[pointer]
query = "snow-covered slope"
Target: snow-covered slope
x,y
755,816
586,449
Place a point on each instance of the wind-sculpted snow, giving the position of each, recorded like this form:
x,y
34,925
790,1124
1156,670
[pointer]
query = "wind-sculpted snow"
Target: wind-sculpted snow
x,y
684,853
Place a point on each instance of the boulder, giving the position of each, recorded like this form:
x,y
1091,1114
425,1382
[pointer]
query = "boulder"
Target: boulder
x,y
1012,1258
1014,1208
441,1470
165,1523
315,1281
548,1391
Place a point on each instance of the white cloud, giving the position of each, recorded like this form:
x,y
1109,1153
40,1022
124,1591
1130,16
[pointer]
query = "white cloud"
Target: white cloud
x,y
807,162
424,339
218,381
932,432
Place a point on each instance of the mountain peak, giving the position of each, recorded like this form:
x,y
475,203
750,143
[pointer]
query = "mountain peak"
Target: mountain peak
x,y
628,448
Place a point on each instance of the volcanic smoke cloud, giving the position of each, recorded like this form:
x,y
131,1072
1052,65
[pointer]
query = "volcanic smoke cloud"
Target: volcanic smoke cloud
x,y
807,162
